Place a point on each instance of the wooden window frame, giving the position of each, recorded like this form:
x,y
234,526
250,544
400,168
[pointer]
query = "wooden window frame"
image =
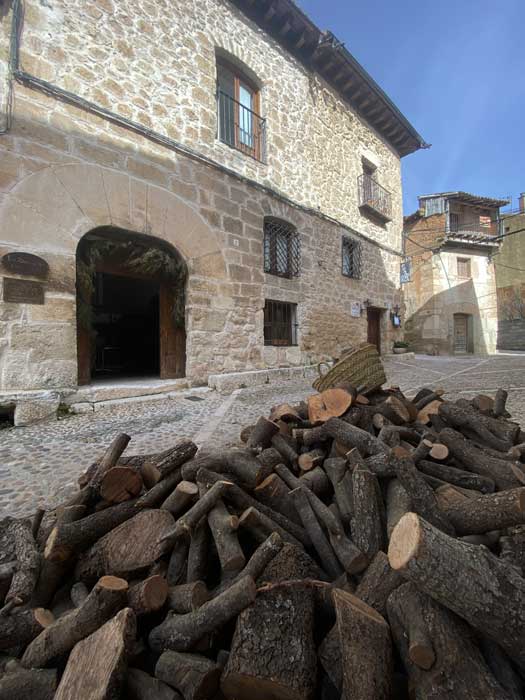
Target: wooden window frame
x,y
468,265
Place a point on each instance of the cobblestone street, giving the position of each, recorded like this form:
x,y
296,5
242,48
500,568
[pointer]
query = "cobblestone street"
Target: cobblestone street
x,y
39,465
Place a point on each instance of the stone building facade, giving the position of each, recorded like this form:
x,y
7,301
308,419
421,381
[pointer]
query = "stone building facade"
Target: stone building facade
x,y
451,296
111,123
510,279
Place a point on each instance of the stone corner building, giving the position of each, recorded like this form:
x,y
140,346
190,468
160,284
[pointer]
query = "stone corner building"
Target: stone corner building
x,y
235,143
450,300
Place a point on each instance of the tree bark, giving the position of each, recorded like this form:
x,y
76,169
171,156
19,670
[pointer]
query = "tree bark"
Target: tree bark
x,y
269,458
274,493
502,669
421,494
397,504
78,593
272,652
262,433
158,493
312,459
341,478
471,421
23,684
437,650
198,552
457,477
109,459
366,526
187,597
25,577
130,547
141,686
317,481
120,484
512,548
287,448
500,401
194,676
378,582
477,461
97,665
181,498
22,627
223,528
182,632
188,522
173,459
493,511
468,579
261,526
178,563
350,436
108,596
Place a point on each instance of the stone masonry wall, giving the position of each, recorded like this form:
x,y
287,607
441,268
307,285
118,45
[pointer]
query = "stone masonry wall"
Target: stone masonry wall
x,y
155,63
64,171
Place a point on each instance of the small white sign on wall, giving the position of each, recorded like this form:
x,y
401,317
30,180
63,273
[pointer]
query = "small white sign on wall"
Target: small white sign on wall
x,y
355,309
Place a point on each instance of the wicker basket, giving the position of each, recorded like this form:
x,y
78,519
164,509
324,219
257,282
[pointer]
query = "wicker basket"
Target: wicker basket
x,y
360,366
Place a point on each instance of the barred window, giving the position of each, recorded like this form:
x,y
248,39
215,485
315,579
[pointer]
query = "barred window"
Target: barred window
x,y
282,252
280,323
351,258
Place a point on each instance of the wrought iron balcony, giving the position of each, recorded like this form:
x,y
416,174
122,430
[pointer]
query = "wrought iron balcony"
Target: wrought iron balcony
x,y
374,198
240,127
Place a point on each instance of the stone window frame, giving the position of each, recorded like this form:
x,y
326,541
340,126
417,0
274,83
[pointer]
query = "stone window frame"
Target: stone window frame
x,y
464,268
282,248
351,257
280,323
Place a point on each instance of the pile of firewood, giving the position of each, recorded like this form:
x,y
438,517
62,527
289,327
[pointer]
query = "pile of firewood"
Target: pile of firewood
x,y
359,545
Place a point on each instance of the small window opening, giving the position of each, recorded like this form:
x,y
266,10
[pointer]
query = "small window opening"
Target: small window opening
x,y
463,267
280,323
351,258
282,252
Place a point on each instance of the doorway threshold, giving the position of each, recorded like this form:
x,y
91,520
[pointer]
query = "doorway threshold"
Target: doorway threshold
x,y
106,391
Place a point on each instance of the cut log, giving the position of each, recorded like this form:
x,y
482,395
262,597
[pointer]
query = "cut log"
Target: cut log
x,y
52,572
284,412
477,461
422,450
425,414
272,652
181,498
171,460
393,409
351,436
327,404
378,582
97,665
420,493
187,523
22,627
257,563
78,593
109,460
148,596
141,686
504,430
437,649
483,403
269,458
262,433
500,401
439,452
158,493
25,577
241,501
108,596
129,548
470,420
260,526
512,548
68,539
198,552
120,484
397,504
366,525
341,478
457,477
493,511
274,493
223,528
187,597
357,653
287,448
23,684
312,459
465,578
317,481
194,676
182,632
178,563
322,546
502,669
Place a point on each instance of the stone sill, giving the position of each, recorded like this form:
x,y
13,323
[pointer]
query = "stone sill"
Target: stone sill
x,y
226,383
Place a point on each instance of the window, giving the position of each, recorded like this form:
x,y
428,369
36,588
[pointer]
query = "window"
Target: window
x,y
238,105
351,258
453,222
280,323
464,268
282,253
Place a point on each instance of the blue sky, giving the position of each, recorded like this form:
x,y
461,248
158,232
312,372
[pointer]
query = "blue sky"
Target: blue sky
x,y
456,69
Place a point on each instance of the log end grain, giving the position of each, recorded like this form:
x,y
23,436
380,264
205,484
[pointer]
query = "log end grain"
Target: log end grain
x,y
405,541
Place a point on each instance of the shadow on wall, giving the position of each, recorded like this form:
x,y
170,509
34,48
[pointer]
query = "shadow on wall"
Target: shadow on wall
x,y
511,317
449,323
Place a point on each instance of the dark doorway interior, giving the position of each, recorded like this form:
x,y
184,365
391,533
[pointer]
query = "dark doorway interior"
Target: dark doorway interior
x,y
374,327
126,325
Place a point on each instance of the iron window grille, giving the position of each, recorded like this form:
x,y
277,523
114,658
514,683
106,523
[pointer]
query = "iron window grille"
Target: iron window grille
x,y
374,198
282,250
280,323
351,258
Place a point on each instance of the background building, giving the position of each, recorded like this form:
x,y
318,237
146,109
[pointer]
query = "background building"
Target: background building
x,y
207,188
451,297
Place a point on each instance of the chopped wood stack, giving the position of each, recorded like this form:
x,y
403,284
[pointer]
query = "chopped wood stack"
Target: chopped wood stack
x,y
361,547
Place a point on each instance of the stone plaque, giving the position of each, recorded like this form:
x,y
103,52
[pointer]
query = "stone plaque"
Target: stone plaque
x,y
355,309
25,264
23,291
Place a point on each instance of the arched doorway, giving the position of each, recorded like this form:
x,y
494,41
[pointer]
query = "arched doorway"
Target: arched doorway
x,y
130,306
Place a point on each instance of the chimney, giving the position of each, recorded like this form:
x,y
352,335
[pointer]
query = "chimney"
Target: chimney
x,y
521,201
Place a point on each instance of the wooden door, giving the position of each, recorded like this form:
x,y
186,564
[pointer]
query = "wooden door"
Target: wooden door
x,y
460,333
374,327
172,338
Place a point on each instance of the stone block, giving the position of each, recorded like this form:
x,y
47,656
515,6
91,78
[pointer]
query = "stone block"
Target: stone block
x,y
37,410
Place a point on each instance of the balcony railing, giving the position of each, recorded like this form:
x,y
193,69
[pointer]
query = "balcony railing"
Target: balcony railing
x,y
240,127
477,225
374,198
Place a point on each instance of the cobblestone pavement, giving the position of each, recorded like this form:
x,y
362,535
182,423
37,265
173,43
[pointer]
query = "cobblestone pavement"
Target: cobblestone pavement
x,y
39,465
